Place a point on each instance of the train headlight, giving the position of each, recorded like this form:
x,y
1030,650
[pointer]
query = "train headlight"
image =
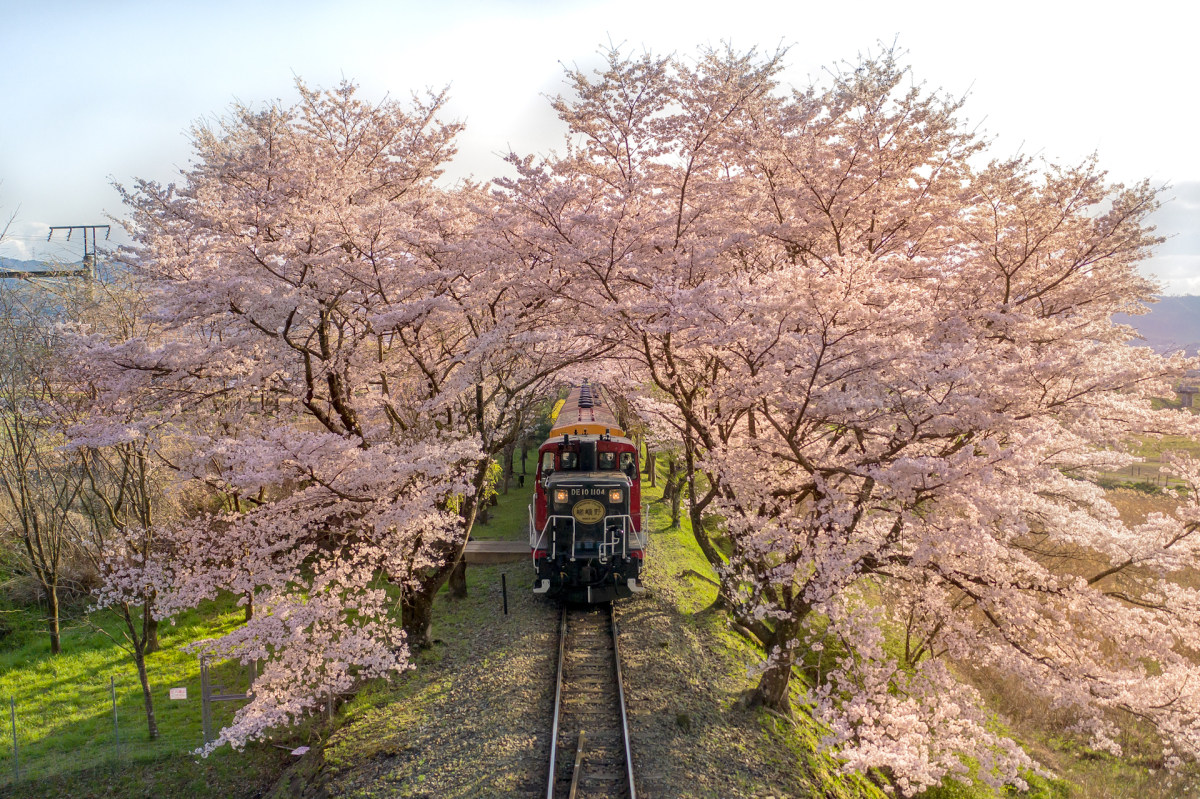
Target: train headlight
x,y
614,496
561,496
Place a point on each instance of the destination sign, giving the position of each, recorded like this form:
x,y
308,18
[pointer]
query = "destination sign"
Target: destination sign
x,y
588,511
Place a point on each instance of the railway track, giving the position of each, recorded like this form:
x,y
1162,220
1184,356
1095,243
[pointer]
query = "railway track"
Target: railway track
x,y
589,744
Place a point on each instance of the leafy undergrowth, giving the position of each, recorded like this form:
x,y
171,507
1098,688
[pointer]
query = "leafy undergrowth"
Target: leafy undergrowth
x,y
67,744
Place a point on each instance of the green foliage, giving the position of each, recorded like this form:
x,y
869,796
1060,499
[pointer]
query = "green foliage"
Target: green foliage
x,y
492,478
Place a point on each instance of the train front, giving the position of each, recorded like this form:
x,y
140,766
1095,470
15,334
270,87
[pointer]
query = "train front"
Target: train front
x,y
587,547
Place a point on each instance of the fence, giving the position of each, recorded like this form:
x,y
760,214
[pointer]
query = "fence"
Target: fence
x,y
102,723
1148,475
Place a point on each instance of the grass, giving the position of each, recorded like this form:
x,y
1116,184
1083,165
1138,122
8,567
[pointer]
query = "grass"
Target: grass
x,y
1147,476
67,743
509,518
66,740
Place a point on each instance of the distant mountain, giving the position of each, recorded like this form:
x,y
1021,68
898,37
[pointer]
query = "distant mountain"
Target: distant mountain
x,y
1172,324
10,265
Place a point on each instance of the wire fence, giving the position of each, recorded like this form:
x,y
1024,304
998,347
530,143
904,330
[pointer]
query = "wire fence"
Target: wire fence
x,y
1144,476
103,723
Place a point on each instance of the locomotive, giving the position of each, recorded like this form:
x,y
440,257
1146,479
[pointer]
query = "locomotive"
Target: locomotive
x,y
585,521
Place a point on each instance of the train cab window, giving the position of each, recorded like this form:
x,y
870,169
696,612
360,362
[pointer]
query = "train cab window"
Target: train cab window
x,y
547,463
568,461
628,466
608,461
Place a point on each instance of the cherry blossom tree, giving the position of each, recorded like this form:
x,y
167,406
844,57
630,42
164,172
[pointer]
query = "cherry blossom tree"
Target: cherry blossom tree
x,y
340,347
894,367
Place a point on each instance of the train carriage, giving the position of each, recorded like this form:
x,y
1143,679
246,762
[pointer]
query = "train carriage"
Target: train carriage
x,y
585,524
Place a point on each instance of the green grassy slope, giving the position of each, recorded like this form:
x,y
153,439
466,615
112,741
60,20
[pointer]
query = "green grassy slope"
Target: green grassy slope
x,y
67,744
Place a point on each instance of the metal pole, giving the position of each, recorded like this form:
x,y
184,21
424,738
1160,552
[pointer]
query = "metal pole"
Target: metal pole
x,y
205,698
112,687
504,590
12,705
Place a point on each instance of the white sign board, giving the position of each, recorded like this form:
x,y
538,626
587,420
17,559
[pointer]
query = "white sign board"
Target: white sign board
x,y
179,693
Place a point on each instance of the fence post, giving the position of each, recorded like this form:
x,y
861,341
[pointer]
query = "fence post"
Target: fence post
x,y
12,705
504,590
112,687
205,698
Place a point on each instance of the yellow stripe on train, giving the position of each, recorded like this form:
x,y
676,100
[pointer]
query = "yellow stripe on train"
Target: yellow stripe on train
x,y
558,406
585,429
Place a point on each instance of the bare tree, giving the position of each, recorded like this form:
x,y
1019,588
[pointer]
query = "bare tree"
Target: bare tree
x,y
39,483
121,501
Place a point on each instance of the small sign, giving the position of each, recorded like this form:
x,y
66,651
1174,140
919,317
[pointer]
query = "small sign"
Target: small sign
x,y
587,511
300,750
179,693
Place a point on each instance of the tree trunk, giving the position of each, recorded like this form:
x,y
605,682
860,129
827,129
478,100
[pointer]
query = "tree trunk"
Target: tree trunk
x,y
652,468
524,458
676,502
773,687
249,607
772,690
416,607
458,579
151,626
139,657
416,613
51,593
701,533
509,453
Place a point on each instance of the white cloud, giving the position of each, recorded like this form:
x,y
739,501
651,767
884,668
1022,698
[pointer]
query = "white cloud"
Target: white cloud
x,y
1179,274
1176,262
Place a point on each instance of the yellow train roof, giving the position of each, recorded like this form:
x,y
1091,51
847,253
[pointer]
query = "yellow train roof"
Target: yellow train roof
x,y
585,412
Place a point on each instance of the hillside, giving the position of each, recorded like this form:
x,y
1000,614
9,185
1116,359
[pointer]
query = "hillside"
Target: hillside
x,y
1173,323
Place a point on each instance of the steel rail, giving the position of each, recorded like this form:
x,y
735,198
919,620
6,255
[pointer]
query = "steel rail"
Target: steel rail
x,y
558,683
621,699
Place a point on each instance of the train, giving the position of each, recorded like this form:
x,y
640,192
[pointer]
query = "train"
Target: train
x,y
585,515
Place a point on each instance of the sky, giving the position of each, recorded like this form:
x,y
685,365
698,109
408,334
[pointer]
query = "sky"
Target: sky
x,y
102,92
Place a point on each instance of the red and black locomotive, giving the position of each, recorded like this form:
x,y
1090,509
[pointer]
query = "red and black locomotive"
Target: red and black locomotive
x,y
585,521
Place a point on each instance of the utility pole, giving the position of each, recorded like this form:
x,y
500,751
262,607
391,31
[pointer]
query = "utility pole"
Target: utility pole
x,y
89,255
